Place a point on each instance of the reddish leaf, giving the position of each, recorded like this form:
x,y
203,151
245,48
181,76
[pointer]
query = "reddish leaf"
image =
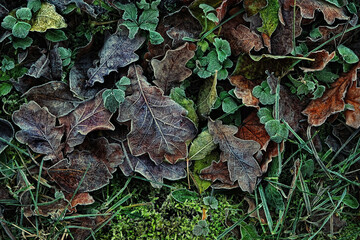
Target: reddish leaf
x,y
244,89
146,167
79,199
238,153
87,117
322,58
353,97
329,31
252,129
171,69
56,96
223,8
68,174
217,171
158,124
332,100
38,130
331,12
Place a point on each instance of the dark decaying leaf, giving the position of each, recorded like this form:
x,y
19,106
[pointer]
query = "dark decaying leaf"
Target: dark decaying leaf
x,y
68,173
252,129
83,5
54,210
55,63
171,70
39,130
87,117
40,68
217,171
84,224
146,167
118,51
332,100
6,133
79,199
56,96
322,58
238,153
224,7
158,124
353,97
252,7
243,90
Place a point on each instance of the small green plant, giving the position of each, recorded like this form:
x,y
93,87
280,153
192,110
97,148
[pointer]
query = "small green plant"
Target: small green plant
x,y
276,130
65,55
201,229
262,92
19,26
208,14
211,201
114,97
148,20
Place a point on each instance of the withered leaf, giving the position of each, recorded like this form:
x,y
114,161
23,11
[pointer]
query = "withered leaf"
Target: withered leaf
x,y
56,96
68,173
252,7
87,117
146,167
244,89
41,68
238,153
39,130
353,97
54,210
79,199
332,100
171,69
322,58
252,129
6,133
90,9
158,124
118,51
217,171
331,12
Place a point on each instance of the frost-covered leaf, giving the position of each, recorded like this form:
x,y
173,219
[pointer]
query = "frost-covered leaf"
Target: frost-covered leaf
x,y
55,35
39,130
87,117
83,5
238,153
47,18
21,29
6,133
217,171
322,58
353,97
118,51
56,96
252,7
201,146
207,97
348,55
171,70
8,22
158,124
178,95
23,14
244,89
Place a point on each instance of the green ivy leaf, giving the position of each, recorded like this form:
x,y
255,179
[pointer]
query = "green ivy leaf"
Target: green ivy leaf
x,y
348,55
34,5
178,95
206,8
276,130
212,17
21,29
149,19
325,76
318,92
8,22
130,11
133,28
22,43
55,35
182,195
265,115
155,38
262,92
229,105
123,83
223,49
5,88
143,5
24,14
211,201
7,64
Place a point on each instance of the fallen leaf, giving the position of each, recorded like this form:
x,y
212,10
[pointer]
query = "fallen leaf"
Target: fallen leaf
x,y
329,31
47,18
252,7
87,117
84,6
332,100
207,97
252,129
238,153
331,12
54,210
146,167
39,130
353,97
79,199
322,58
6,133
223,8
243,90
69,172
178,95
171,70
200,183
270,21
158,124
118,51
201,146
84,226
41,68
217,171
56,96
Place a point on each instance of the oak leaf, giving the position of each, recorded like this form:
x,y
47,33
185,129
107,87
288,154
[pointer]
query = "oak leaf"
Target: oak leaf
x,y
217,171
171,69
243,90
332,100
118,51
158,124
39,130
89,116
238,153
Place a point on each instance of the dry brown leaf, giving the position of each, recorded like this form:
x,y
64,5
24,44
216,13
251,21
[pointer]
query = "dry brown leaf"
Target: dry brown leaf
x,y
353,97
244,89
322,58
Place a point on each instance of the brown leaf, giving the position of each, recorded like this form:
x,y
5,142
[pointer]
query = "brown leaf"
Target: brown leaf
x,y
329,31
322,58
332,100
146,167
238,153
252,129
54,210
41,68
353,97
158,124
84,224
39,130
171,70
56,96
87,117
79,199
223,8
68,174
244,89
330,11
217,171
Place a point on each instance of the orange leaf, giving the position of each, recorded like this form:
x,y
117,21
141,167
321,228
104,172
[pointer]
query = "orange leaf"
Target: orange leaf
x,y
353,97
